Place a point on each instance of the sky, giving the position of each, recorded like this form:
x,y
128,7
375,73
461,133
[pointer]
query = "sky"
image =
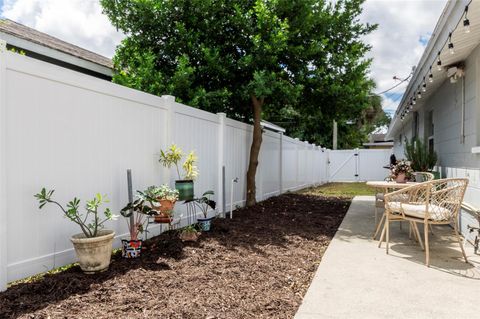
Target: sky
x,y
405,27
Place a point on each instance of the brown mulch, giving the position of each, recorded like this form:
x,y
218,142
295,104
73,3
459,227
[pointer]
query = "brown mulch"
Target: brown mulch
x,y
257,265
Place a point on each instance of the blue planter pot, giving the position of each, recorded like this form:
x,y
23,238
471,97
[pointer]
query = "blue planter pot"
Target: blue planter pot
x,y
205,223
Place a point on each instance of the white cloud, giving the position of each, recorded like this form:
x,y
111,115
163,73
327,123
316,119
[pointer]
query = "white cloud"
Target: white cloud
x,y
404,28
80,22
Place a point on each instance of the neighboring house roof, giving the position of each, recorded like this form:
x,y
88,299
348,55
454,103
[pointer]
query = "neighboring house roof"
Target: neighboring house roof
x,y
387,144
21,36
376,137
464,43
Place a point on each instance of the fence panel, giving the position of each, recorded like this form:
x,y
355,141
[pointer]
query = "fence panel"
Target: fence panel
x,y
371,164
357,165
79,134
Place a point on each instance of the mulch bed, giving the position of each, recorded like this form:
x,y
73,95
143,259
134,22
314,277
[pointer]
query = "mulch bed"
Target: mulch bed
x,y
257,265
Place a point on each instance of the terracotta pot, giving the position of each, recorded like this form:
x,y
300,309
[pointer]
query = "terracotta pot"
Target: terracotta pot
x,y
189,236
163,218
166,205
94,253
401,178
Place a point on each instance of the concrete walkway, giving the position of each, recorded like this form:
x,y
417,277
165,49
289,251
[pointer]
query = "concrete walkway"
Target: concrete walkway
x,y
356,279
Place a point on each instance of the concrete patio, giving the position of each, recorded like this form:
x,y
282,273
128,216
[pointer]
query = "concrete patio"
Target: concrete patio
x,y
356,279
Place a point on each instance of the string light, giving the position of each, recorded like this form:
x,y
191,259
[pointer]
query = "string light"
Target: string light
x,y
450,44
451,48
439,62
466,22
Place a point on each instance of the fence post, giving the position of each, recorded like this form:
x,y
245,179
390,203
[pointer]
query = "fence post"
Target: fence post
x,y
3,182
327,165
280,161
221,162
297,164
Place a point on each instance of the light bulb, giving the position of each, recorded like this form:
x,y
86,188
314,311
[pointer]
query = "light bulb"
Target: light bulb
x,y
451,48
419,94
430,78
439,64
466,25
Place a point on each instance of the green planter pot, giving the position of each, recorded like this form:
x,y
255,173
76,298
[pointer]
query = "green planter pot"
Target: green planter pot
x,y
436,175
185,189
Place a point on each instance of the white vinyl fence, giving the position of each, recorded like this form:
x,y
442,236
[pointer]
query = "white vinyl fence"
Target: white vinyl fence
x,y
357,165
78,134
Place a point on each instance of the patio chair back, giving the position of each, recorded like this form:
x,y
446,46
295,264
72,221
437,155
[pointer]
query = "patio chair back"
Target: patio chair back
x,y
445,198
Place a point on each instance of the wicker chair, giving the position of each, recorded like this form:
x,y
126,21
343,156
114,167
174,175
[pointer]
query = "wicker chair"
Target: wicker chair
x,y
379,200
379,203
436,202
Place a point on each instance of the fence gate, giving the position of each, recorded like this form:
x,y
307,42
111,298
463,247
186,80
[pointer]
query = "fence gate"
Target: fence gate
x,y
357,165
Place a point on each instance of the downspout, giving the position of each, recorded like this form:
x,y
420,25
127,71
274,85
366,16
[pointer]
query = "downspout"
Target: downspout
x,y
462,136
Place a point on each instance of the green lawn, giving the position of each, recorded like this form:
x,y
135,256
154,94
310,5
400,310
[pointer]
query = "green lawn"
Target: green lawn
x,y
344,190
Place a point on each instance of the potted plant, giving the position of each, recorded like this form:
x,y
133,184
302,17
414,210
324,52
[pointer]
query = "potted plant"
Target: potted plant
x,y
133,248
204,203
402,171
167,198
184,185
421,158
162,199
189,233
94,245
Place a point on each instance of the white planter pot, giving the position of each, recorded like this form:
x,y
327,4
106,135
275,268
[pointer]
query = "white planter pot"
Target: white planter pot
x,y
94,253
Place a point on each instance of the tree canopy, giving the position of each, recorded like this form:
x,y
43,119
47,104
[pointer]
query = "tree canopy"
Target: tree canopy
x,y
298,63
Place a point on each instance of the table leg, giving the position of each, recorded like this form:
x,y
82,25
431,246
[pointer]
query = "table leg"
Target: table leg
x,y
379,225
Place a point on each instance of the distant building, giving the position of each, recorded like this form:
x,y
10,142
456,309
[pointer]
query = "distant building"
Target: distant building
x,y
377,141
44,47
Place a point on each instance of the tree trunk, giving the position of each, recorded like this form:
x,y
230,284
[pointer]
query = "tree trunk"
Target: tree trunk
x,y
254,150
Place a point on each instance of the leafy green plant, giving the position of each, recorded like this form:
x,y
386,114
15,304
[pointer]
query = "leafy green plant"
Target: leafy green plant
x,y
172,158
140,211
190,229
165,192
204,202
191,170
71,211
421,159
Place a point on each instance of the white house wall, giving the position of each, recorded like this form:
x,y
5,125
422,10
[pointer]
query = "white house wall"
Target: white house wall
x,y
454,153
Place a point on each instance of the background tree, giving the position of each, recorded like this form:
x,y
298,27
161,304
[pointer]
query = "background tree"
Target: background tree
x,y
277,59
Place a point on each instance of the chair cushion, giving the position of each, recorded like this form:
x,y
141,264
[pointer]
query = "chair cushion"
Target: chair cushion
x,y
436,213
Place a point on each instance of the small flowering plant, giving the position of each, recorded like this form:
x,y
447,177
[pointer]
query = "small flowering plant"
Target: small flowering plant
x,y
166,193
402,166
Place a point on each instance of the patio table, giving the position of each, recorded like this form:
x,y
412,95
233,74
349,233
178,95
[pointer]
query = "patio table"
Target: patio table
x,y
385,187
